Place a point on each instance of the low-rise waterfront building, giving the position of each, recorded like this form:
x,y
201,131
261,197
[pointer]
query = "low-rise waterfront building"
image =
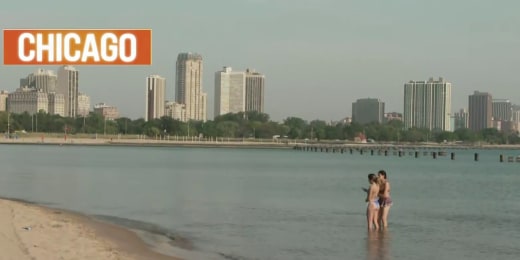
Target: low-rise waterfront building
x,y
108,112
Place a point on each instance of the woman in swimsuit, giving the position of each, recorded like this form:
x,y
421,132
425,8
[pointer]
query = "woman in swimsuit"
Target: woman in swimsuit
x,y
373,202
384,198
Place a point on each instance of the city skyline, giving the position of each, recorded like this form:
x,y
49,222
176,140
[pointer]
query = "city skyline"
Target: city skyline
x,y
38,78
345,50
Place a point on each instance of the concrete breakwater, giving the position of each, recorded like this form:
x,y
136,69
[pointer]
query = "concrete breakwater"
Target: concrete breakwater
x,y
222,143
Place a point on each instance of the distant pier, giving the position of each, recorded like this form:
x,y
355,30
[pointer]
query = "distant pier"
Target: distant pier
x,y
415,151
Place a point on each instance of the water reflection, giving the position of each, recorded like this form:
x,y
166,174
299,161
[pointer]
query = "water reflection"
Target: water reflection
x,y
378,245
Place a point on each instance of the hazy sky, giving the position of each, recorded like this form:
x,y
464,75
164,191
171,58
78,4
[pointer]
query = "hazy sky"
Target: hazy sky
x,y
318,55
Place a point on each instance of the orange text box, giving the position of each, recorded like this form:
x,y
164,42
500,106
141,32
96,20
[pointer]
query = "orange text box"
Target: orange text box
x,y
78,46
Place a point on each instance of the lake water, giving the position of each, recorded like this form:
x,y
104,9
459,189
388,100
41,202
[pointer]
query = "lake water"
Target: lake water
x,y
279,204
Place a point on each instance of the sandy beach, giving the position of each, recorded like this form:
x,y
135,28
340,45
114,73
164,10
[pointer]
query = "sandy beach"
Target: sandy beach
x,y
29,231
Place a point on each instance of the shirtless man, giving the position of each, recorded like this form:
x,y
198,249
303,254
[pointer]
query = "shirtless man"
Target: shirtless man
x,y
385,201
373,202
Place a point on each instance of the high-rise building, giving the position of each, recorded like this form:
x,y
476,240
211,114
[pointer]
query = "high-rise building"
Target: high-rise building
x,y
68,85
368,110
28,100
230,90
502,110
480,111
254,91
502,114
203,106
188,86
175,110
42,80
427,104
83,104
461,119
516,117
56,104
155,97
3,100
107,111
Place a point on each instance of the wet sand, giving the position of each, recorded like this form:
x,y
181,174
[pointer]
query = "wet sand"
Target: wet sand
x,y
29,231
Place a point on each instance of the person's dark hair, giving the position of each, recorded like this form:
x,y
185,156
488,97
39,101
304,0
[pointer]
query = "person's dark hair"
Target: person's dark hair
x,y
382,172
372,177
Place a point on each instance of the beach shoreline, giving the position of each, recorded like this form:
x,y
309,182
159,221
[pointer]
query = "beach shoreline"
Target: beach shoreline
x,y
32,231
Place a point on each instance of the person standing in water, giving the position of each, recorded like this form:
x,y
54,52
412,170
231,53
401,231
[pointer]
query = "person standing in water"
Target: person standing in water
x,y
384,198
373,202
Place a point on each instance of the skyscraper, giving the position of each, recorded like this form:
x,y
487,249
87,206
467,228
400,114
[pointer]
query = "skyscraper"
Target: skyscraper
x,y
254,91
368,110
188,86
480,111
155,101
68,85
230,90
427,104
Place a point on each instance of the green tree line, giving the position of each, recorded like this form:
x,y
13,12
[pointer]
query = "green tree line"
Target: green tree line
x,y
246,125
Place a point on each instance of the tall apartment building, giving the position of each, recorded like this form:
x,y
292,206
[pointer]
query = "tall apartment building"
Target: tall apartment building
x,y
28,100
3,100
155,97
83,105
68,84
461,119
188,86
427,104
107,111
480,111
42,80
255,83
368,110
230,91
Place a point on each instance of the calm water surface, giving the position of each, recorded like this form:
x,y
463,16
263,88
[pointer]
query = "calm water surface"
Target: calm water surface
x,y
272,204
